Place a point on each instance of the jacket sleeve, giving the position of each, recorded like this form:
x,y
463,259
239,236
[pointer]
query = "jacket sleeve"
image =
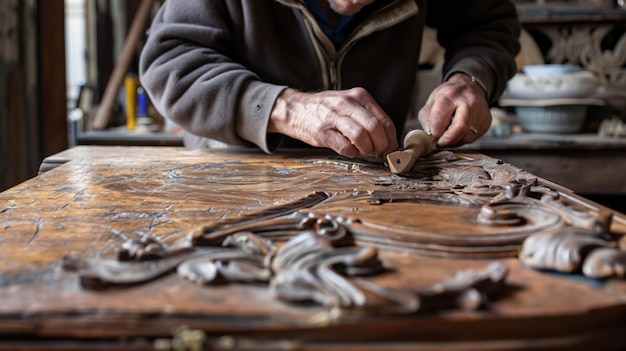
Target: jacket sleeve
x,y
187,68
481,38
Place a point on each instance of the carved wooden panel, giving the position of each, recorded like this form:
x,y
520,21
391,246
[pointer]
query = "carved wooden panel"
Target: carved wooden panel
x,y
306,248
583,44
597,47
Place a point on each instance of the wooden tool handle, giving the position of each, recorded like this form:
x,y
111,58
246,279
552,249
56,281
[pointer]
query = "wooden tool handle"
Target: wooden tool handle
x,y
420,142
417,143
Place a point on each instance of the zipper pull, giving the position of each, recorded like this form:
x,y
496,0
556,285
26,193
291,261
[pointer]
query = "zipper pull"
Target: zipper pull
x,y
333,75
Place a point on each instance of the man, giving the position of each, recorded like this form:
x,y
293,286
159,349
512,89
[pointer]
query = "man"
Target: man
x,y
337,74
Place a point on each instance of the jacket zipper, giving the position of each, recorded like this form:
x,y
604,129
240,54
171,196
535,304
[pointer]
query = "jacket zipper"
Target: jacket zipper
x,y
333,75
343,50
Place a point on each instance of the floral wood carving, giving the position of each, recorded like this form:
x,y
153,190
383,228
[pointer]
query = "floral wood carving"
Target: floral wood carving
x,y
575,250
314,249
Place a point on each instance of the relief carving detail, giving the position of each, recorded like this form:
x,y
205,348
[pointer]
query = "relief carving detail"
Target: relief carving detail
x,y
307,250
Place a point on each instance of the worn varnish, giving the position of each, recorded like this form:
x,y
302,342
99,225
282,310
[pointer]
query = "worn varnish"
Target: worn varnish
x,y
453,213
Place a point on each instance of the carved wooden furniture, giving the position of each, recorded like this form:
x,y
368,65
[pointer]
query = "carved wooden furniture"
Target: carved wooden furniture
x,y
177,249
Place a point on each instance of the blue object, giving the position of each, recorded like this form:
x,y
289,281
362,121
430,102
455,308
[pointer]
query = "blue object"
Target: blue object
x,y
143,100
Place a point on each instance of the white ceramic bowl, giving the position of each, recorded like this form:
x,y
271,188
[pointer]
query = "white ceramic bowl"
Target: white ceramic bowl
x,y
549,70
581,84
552,119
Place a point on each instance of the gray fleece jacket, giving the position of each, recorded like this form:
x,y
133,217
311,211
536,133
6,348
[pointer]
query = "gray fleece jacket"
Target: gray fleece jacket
x,y
216,67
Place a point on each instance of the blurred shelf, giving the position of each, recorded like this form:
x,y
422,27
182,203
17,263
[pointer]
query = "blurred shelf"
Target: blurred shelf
x,y
540,141
129,138
547,14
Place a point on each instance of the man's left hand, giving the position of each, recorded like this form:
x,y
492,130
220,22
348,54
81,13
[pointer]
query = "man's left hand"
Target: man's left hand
x,y
456,112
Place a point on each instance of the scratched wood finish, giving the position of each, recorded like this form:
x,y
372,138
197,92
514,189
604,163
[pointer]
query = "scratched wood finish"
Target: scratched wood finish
x,y
92,198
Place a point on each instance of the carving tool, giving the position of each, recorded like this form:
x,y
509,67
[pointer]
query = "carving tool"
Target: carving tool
x,y
417,143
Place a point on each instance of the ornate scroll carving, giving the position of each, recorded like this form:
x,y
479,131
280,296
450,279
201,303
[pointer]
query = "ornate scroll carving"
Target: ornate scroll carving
x,y
583,44
323,248
605,262
562,251
320,264
575,250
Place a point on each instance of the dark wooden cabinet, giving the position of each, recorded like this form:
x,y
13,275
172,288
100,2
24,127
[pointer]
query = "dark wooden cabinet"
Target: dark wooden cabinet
x,y
33,120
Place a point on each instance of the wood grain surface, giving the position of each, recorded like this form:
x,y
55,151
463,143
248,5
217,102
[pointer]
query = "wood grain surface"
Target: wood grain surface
x,y
89,199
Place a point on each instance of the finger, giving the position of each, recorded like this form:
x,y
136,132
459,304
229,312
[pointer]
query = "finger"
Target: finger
x,y
437,115
382,131
458,128
337,142
384,136
356,134
374,129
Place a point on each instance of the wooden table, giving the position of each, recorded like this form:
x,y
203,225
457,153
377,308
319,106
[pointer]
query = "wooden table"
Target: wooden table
x,y
124,248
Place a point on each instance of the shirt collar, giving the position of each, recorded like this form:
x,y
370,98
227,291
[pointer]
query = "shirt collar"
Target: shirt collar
x,y
337,34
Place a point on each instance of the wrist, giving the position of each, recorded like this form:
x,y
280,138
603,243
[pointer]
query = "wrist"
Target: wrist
x,y
279,116
470,80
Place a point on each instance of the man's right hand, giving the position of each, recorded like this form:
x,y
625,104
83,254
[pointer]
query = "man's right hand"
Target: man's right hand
x,y
349,122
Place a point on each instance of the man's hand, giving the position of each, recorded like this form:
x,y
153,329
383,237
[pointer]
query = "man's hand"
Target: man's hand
x,y
349,122
456,112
